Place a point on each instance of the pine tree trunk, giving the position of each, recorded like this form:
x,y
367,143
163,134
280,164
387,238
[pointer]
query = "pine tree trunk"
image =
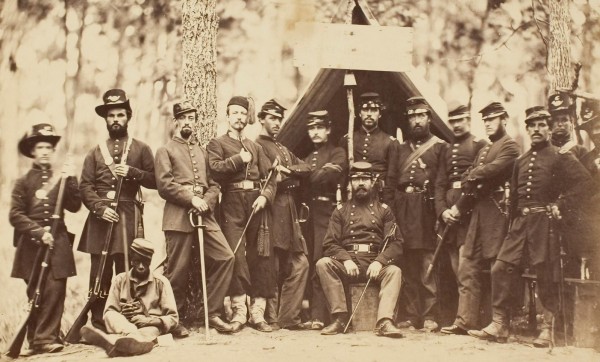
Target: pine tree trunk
x,y
559,48
200,24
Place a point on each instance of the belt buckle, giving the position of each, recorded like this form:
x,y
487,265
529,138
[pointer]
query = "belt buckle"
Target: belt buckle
x,y
247,185
409,189
525,211
363,248
456,185
111,195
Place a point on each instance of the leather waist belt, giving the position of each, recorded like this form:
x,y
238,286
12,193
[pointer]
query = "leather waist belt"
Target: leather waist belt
x,y
111,194
243,185
456,185
288,185
410,189
532,210
362,248
195,189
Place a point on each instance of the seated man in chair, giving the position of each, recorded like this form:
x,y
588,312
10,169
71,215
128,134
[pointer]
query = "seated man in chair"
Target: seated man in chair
x,y
355,247
140,307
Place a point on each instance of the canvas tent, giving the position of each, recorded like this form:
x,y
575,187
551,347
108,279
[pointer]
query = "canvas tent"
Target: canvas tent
x,y
326,91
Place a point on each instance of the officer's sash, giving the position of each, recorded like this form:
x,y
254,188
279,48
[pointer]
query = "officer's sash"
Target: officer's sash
x,y
108,160
417,153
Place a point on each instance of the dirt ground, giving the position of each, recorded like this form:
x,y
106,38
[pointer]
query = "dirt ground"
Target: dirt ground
x,y
283,345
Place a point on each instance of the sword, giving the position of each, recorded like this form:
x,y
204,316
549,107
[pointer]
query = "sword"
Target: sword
x,y
200,227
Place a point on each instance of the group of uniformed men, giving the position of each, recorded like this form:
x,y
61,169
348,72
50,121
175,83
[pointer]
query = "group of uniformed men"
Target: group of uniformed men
x,y
500,211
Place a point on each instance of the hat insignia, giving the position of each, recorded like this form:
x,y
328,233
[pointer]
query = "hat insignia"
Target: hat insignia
x,y
113,98
556,101
46,131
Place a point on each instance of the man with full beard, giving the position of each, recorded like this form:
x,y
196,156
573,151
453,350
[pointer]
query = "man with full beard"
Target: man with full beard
x,y
328,165
546,181
483,189
562,109
184,181
410,184
371,144
289,245
102,168
238,164
353,250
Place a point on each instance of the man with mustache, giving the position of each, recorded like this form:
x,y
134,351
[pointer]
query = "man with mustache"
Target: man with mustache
x,y
140,307
562,109
328,165
410,184
33,202
291,264
184,181
457,157
482,190
353,250
545,182
101,171
238,165
371,144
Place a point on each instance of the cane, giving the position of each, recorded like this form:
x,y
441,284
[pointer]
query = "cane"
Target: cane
x,y
199,226
387,239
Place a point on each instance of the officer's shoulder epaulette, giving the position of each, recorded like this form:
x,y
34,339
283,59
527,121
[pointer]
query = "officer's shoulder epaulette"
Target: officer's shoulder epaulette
x,y
384,205
340,206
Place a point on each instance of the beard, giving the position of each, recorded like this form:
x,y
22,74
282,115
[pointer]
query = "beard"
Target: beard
x,y
560,137
186,132
140,275
115,131
361,194
419,133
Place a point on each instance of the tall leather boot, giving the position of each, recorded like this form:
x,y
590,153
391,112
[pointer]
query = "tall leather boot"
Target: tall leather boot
x,y
545,337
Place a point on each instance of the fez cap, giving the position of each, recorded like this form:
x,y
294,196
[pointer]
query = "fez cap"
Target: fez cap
x,y
560,102
361,169
370,100
273,108
142,247
590,114
182,107
494,109
238,101
458,112
42,132
535,113
113,98
318,118
416,105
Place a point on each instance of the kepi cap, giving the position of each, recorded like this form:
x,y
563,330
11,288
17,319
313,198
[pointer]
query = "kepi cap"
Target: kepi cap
x,y
318,118
458,112
370,100
494,109
361,169
416,105
182,107
273,108
536,112
143,248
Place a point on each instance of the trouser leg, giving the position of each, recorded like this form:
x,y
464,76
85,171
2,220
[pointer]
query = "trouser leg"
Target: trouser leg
x,y
505,278
428,287
292,289
318,303
257,310
219,270
469,293
390,280
410,289
329,272
179,259
47,321
117,261
239,308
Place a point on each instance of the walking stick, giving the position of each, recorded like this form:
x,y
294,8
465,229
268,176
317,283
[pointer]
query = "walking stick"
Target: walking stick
x,y
386,240
200,227
262,189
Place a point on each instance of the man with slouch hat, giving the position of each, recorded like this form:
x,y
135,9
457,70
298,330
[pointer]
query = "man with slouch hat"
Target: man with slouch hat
x,y
139,308
183,179
33,203
102,168
239,165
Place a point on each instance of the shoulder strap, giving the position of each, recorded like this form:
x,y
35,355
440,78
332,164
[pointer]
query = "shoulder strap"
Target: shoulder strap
x,y
419,152
108,161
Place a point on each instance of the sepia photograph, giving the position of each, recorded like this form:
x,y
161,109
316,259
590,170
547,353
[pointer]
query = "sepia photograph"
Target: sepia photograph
x,y
300,180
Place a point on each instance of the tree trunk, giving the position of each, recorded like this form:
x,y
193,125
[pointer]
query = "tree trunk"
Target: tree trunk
x,y
200,24
559,47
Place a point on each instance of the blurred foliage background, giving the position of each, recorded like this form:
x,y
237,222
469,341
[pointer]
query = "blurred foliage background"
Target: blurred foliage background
x,y
58,57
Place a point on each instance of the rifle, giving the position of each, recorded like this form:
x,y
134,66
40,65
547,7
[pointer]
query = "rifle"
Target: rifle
x,y
262,189
387,238
14,349
73,335
349,84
